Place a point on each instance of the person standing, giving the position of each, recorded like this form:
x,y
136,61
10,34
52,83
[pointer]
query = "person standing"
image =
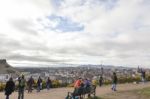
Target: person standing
x,y
114,81
9,88
101,81
48,83
21,87
30,84
143,75
39,84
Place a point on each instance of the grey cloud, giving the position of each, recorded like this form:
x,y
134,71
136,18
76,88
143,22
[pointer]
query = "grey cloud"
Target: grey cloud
x,y
19,57
82,51
24,26
8,44
109,45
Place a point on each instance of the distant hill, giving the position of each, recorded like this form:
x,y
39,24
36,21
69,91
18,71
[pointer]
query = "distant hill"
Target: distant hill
x,y
5,68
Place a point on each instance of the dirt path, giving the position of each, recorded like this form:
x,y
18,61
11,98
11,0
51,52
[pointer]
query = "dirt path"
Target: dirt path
x,y
60,93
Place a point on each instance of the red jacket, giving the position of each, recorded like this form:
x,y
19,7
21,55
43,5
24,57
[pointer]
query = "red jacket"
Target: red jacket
x,y
77,84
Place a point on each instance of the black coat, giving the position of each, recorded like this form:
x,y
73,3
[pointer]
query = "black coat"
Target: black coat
x,y
39,81
114,79
9,88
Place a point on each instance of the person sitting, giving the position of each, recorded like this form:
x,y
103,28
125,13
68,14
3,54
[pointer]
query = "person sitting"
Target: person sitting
x,y
77,86
87,84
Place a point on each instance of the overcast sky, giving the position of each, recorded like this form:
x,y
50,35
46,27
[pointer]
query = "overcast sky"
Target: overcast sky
x,y
44,32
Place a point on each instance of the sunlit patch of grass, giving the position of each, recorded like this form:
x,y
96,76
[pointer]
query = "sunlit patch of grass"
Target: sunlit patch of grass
x,y
145,92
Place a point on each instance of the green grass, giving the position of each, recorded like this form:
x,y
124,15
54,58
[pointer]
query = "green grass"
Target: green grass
x,y
140,94
145,92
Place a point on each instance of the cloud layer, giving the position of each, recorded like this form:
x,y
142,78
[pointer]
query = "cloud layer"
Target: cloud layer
x,y
75,32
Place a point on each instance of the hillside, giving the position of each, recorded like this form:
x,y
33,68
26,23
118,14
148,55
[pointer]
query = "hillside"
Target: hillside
x,y
5,68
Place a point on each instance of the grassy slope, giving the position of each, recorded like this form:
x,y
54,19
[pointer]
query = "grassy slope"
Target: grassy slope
x,y
134,94
145,92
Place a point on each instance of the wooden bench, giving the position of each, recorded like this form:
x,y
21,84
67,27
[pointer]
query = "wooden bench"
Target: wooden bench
x,y
81,92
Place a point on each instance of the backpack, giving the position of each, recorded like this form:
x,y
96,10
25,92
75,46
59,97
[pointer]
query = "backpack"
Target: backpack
x,y
22,83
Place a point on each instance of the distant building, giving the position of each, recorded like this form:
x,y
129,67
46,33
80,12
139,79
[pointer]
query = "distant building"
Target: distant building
x,y
4,77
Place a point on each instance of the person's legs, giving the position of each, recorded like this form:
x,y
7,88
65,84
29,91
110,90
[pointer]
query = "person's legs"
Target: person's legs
x,y
143,79
19,94
112,87
115,87
38,88
75,92
7,96
30,88
100,83
22,93
48,87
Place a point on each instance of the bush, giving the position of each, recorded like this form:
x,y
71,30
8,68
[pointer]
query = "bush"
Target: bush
x,y
107,82
2,86
128,79
55,84
148,77
70,85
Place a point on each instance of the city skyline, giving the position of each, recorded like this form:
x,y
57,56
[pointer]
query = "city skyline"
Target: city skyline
x,y
47,32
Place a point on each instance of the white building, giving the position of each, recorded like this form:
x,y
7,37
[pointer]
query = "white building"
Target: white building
x,y
4,77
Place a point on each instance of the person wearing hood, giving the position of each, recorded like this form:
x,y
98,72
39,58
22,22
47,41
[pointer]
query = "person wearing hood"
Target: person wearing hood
x,y
9,88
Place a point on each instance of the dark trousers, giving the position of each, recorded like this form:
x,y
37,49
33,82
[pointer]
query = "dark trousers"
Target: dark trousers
x,y
38,88
7,96
21,93
29,88
100,83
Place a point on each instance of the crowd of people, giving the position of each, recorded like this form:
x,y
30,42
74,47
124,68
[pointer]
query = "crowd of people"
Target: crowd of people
x,y
81,83
84,86
78,85
22,84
